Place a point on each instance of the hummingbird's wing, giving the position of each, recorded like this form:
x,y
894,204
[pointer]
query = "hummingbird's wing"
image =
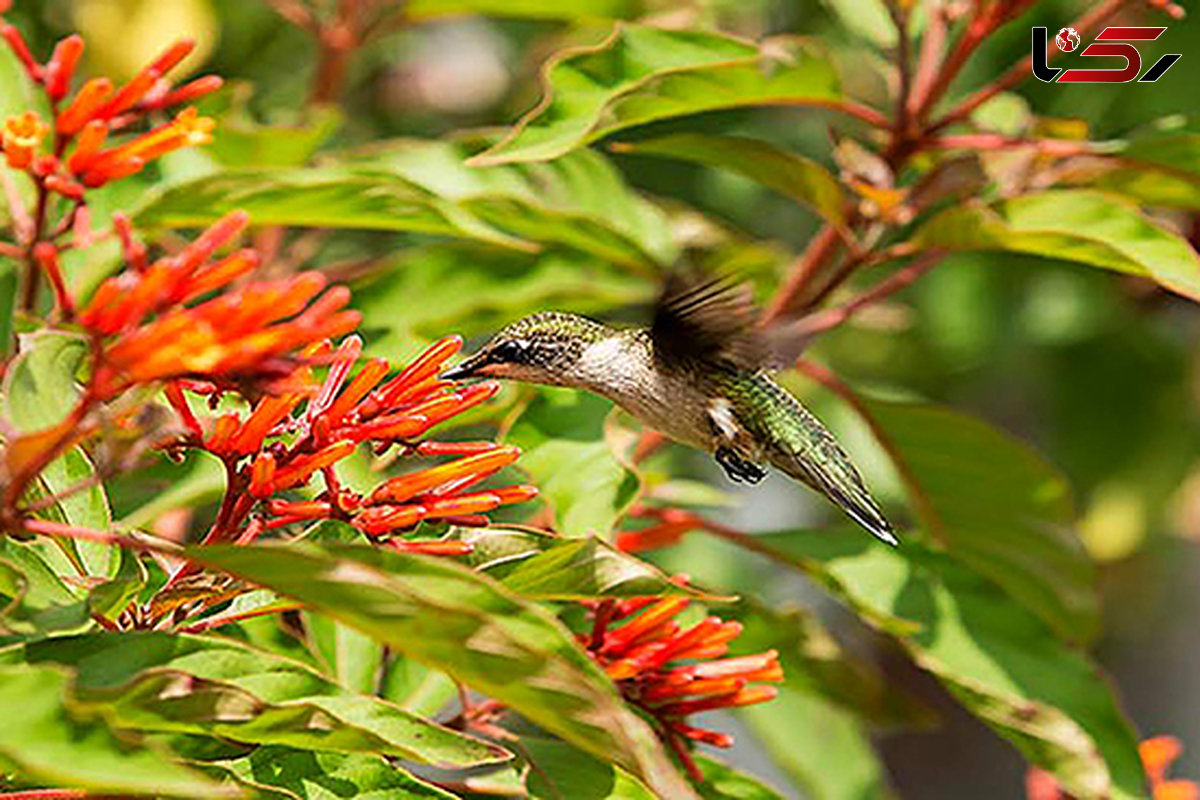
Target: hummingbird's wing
x,y
707,319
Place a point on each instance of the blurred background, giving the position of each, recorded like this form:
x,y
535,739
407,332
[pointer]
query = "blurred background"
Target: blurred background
x,y
1101,374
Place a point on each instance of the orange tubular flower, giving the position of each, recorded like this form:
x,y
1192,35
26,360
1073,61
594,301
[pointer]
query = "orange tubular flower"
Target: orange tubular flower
x,y
661,667
98,109
303,433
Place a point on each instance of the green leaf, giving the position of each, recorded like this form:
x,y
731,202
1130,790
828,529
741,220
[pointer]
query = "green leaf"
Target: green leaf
x,y
243,143
324,776
40,390
722,782
1159,168
998,507
352,658
470,627
1081,225
532,9
50,737
19,94
39,386
816,664
328,197
33,598
539,566
561,435
793,176
1002,663
558,771
191,684
109,599
474,290
819,745
580,201
866,18
641,74
8,305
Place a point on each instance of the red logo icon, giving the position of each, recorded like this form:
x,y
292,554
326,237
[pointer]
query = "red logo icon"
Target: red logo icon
x,y
1112,42
1067,39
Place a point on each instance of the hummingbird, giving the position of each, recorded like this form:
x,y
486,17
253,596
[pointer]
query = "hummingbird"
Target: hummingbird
x,y
700,374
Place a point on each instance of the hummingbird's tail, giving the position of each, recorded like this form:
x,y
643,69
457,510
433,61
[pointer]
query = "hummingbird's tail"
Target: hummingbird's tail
x,y
806,450
832,474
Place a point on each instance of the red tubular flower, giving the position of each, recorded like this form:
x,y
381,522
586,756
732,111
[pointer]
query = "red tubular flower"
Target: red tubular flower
x,y
658,666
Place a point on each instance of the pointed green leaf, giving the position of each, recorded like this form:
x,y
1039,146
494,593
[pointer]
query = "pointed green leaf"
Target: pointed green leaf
x,y
640,74
793,176
219,687
33,598
324,776
1085,226
998,507
580,201
327,197
539,566
1002,663
52,738
470,627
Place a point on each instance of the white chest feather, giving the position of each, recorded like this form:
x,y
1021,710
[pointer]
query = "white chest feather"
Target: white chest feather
x,y
622,369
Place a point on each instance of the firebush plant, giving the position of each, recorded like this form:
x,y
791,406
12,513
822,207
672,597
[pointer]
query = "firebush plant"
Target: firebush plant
x,y
252,544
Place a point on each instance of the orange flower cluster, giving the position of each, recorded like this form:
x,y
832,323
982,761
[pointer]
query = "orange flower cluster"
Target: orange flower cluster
x,y
290,437
150,334
670,672
77,158
1158,753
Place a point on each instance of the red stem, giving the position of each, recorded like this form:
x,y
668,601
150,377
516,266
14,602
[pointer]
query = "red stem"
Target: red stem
x,y
822,247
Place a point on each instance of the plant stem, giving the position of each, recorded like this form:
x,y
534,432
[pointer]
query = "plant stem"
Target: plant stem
x,y
832,317
822,247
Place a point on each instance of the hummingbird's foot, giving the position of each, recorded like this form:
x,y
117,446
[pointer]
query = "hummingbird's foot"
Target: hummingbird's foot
x,y
737,468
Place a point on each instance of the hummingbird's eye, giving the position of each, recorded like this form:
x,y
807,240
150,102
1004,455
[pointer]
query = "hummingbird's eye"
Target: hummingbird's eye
x,y
508,352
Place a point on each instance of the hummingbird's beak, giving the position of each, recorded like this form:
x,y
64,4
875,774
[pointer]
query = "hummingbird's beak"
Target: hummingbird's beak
x,y
465,369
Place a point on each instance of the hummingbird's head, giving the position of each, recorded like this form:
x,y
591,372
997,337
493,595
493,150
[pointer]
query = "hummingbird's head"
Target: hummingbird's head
x,y
542,348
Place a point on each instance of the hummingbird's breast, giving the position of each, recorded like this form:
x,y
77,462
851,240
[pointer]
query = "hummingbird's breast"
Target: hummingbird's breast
x,y
673,401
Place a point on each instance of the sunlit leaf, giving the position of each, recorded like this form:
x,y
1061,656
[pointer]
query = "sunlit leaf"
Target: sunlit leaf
x,y
580,201
1085,226
33,598
313,776
467,625
997,506
327,197
247,144
1000,660
52,738
193,684
561,435
543,567
641,74
350,656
